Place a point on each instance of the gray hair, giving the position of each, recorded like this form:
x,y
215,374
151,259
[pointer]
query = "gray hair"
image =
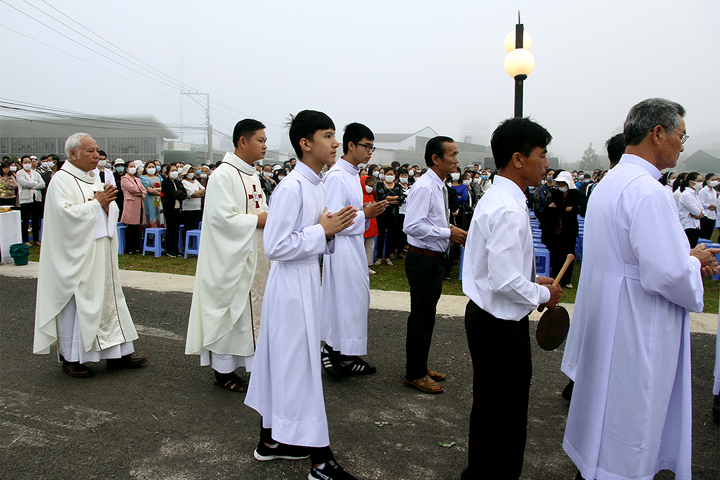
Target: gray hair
x,y
649,113
74,142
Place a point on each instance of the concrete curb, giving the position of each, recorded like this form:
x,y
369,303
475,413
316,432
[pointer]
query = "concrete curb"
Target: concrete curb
x,y
449,305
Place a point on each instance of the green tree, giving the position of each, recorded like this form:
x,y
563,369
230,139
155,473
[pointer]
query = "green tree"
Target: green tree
x,y
590,160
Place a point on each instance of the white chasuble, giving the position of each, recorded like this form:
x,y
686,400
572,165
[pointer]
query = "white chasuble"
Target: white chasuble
x,y
345,278
286,384
231,264
78,263
628,348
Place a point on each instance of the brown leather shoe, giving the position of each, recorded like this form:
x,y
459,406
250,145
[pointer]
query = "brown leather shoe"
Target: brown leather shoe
x,y
126,361
437,376
76,369
425,385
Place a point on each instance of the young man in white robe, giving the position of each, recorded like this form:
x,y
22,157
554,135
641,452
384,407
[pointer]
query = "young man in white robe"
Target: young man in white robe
x,y
286,384
232,267
80,303
345,277
628,348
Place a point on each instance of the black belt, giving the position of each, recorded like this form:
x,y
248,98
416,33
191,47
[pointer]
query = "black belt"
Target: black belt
x,y
425,252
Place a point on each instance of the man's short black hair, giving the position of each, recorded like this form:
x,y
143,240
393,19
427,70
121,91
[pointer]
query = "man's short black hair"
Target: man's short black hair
x,y
355,132
304,125
102,153
615,148
436,146
520,135
246,128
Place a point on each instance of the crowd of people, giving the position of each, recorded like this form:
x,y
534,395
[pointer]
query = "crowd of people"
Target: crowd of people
x,y
627,352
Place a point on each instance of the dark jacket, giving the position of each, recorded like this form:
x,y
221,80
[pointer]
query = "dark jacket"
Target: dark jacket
x,y
557,218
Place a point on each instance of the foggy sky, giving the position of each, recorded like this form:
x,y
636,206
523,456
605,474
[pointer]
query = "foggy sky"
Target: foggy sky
x,y
396,66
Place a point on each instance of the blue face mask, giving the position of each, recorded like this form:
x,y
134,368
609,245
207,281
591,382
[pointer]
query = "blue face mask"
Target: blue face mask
x,y
120,169
484,177
587,180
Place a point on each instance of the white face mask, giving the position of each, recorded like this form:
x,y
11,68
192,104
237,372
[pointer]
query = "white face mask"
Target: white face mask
x,y
47,165
713,184
403,180
455,176
173,175
150,171
368,189
27,166
203,175
411,173
476,180
190,176
280,177
376,174
449,184
466,182
132,170
389,178
563,189
13,168
102,163
697,186
381,176
267,174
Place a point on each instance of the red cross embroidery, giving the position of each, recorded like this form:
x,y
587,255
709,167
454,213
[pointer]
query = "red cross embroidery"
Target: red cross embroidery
x,y
255,196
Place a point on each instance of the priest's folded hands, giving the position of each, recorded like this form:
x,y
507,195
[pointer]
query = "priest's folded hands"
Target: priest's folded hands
x,y
708,263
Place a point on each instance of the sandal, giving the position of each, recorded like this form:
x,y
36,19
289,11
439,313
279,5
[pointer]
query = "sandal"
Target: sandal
x,y
379,262
436,376
425,384
387,260
236,384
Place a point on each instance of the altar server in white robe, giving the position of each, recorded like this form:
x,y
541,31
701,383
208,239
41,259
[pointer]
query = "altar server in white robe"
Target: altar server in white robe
x,y
628,349
80,303
232,267
345,278
286,384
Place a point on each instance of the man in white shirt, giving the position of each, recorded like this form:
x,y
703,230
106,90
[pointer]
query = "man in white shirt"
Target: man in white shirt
x,y
429,235
499,278
103,171
628,348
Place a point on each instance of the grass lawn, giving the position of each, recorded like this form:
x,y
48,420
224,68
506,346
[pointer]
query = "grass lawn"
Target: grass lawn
x,y
387,277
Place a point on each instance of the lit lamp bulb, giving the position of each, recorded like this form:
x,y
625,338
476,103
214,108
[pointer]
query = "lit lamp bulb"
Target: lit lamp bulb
x,y
519,62
510,41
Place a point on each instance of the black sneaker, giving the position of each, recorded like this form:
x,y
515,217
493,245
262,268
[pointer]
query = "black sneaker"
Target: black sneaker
x,y
264,453
358,367
329,359
330,471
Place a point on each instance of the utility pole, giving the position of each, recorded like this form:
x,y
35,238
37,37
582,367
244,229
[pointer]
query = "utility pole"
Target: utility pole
x,y
209,125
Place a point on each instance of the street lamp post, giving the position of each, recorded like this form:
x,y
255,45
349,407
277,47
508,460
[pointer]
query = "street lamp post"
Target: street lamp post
x,y
519,61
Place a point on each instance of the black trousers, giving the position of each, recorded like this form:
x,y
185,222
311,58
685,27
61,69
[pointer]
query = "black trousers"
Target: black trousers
x,y
30,211
132,239
172,223
425,276
502,370
387,233
560,246
693,235
707,225
191,219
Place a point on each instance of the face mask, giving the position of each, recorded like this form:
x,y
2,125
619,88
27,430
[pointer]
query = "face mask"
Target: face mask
x,y
697,186
466,182
411,173
280,177
455,176
27,166
376,174
150,171
484,177
47,165
190,176
449,184
713,184
120,169
381,176
102,163
267,174
13,168
132,170
389,178
403,180
587,180
173,175
368,189
476,180
203,175
563,189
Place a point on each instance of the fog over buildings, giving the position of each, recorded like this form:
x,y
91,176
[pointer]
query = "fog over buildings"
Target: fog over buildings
x,y
397,67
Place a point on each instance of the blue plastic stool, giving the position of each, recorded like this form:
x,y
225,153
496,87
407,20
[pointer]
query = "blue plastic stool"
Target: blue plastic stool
x,y
192,242
462,257
181,238
121,227
153,241
542,262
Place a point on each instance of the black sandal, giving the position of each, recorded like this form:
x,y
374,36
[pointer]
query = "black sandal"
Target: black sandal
x,y
235,384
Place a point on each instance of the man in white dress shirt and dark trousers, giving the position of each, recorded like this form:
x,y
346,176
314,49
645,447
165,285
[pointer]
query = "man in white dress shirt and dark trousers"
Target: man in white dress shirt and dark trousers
x,y
429,234
499,278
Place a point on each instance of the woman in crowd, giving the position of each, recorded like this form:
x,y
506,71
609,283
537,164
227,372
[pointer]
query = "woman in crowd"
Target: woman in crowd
x,y
690,210
191,207
676,190
560,227
371,169
708,197
29,192
173,193
387,189
8,185
368,184
401,244
133,212
667,179
153,186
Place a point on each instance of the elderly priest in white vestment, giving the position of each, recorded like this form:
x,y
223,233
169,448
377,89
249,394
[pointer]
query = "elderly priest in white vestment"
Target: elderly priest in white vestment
x,y
80,303
628,348
232,268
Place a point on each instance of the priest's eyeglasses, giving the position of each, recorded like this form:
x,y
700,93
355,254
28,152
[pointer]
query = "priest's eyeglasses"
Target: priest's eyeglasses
x,y
683,136
370,148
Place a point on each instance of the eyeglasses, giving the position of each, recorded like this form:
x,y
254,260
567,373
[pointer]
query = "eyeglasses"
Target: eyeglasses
x,y
371,148
683,136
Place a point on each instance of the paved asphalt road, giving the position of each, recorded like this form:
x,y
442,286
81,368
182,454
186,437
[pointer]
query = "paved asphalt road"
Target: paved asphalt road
x,y
168,421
